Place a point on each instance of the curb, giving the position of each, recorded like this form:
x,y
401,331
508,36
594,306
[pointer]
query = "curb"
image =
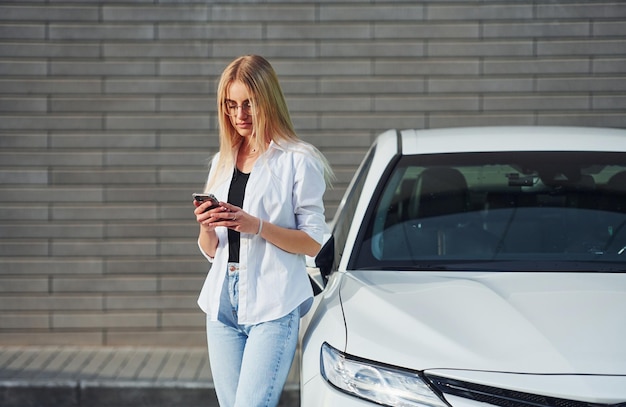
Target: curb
x,y
86,393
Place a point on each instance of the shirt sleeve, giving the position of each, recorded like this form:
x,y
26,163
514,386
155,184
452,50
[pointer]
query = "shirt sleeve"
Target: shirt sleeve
x,y
308,195
209,258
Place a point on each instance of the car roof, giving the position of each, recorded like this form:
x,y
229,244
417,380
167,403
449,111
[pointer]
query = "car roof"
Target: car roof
x,y
512,138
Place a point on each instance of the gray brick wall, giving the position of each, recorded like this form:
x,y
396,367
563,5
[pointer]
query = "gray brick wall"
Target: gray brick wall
x,y
107,121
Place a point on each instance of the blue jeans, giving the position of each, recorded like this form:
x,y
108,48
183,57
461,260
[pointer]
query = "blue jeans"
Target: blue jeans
x,y
250,363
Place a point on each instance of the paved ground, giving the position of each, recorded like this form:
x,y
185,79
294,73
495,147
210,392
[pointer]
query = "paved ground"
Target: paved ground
x,y
112,377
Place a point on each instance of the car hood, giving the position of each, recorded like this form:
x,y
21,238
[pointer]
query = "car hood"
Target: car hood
x,y
542,323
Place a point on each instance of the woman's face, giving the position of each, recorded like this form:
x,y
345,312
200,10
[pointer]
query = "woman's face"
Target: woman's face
x,y
239,108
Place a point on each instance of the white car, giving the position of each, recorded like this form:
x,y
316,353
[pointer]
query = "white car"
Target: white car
x,y
475,267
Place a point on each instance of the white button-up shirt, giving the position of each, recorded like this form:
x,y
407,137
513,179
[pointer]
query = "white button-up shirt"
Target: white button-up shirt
x,y
285,188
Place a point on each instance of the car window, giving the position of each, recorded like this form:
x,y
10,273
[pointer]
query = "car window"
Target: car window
x,y
540,207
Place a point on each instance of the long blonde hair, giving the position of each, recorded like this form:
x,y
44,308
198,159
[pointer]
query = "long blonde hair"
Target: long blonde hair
x,y
271,119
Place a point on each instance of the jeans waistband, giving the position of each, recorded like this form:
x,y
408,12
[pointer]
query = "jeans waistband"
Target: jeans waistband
x,y
233,268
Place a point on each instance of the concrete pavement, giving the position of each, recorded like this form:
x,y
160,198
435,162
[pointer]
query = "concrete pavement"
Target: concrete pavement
x,y
112,377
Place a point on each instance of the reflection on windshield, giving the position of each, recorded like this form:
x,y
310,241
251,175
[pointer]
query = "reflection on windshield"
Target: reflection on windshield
x,y
493,207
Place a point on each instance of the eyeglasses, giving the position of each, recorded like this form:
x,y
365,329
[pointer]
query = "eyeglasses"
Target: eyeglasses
x,y
232,109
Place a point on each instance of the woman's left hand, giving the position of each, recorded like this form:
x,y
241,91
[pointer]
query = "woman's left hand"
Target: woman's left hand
x,y
235,218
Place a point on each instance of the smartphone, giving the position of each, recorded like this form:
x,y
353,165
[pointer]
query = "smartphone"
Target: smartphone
x,y
207,197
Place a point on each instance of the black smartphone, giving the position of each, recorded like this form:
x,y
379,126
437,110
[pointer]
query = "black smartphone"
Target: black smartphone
x,y
207,197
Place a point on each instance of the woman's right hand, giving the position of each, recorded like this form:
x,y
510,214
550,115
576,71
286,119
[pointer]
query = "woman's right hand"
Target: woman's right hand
x,y
204,215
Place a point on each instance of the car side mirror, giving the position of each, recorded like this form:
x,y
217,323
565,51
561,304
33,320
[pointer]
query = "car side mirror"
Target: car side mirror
x,y
318,268
326,258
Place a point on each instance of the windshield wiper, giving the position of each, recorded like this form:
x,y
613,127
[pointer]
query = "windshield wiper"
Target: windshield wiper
x,y
405,267
557,266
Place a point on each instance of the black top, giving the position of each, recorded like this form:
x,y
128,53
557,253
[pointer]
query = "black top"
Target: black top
x,y
235,197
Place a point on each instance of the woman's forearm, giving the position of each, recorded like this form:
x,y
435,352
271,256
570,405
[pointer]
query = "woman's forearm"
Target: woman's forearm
x,y
290,240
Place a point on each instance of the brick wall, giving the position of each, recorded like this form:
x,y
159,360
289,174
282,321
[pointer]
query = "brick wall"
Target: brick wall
x,y
107,121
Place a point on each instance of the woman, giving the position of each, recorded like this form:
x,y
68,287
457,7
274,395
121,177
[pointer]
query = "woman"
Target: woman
x,y
270,186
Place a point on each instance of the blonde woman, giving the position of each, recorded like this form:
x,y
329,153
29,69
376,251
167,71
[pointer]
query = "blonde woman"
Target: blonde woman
x,y
270,186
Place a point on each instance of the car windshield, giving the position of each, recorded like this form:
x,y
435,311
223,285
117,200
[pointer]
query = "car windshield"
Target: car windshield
x,y
514,211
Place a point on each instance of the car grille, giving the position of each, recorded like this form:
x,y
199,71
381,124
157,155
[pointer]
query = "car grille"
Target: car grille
x,y
503,397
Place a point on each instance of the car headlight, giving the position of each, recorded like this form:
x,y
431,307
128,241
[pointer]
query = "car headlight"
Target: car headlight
x,y
377,383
